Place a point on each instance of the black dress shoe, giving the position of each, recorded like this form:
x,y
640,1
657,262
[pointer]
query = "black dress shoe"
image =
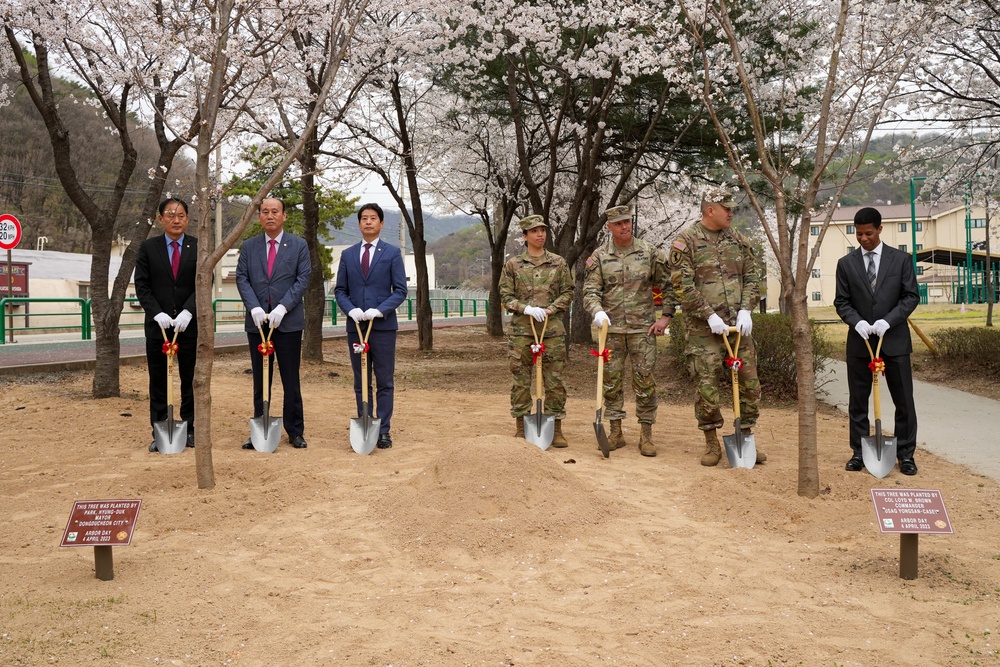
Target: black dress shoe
x,y
152,446
248,444
384,441
298,442
190,440
908,467
855,464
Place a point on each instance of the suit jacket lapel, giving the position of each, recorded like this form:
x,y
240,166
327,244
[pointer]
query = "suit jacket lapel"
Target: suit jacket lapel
x,y
376,254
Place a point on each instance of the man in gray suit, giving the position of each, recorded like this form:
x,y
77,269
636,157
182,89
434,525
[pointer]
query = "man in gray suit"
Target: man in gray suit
x,y
272,274
876,292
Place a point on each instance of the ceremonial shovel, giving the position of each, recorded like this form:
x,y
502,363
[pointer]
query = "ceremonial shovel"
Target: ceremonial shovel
x,y
878,453
364,429
602,436
265,432
170,436
741,450
539,428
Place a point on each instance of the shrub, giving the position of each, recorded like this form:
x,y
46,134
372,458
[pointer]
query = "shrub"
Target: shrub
x,y
971,346
772,334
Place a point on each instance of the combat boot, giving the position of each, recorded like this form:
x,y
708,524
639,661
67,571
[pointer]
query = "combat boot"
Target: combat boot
x,y
713,451
519,429
646,446
617,438
761,456
558,439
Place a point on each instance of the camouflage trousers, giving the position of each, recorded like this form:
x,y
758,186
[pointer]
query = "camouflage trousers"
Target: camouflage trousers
x,y
641,352
705,356
553,361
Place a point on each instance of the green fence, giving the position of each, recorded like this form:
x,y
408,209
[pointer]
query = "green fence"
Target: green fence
x,y
76,314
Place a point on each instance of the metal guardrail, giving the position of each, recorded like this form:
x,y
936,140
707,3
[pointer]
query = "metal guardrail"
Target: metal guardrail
x,y
224,311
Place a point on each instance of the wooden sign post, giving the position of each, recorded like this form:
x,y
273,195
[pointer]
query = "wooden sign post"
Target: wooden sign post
x,y
910,512
101,524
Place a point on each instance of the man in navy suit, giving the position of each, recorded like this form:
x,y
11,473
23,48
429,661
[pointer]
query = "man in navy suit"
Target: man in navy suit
x,y
165,269
876,292
371,284
272,274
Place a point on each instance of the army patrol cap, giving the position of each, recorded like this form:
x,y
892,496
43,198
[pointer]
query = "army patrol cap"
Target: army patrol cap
x,y
532,221
619,213
718,194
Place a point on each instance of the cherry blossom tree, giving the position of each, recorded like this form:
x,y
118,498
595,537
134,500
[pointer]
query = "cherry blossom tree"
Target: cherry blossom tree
x,y
834,66
112,66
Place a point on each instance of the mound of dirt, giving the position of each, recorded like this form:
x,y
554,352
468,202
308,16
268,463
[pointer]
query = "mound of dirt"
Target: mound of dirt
x,y
492,494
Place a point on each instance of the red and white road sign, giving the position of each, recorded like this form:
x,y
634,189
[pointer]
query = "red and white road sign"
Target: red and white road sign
x,y
10,231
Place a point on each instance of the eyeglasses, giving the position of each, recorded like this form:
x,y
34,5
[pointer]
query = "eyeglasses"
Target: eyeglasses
x,y
170,215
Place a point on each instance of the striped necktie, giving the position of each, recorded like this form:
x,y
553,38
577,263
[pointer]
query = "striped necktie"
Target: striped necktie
x,y
871,269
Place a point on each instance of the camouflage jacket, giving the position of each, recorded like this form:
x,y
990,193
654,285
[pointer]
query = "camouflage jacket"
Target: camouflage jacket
x,y
545,284
714,275
620,282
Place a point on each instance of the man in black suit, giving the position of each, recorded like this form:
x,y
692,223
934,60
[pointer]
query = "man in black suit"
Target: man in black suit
x,y
876,292
371,284
165,269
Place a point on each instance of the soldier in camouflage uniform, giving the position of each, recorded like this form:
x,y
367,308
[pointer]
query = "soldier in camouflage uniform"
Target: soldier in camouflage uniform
x,y
717,281
534,285
619,290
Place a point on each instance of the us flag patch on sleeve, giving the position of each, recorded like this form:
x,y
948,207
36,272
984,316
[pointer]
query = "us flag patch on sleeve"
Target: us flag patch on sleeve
x,y
680,245
590,262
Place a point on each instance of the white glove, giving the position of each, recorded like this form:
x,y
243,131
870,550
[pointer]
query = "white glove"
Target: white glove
x,y
537,313
276,315
372,313
863,328
258,316
601,318
182,320
356,314
880,327
744,324
163,320
718,327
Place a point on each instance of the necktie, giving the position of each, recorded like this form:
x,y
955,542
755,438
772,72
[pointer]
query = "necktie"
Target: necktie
x,y
272,252
871,269
175,258
365,260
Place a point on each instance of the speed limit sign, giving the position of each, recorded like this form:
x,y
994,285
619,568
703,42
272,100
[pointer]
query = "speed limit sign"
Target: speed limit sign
x,y
10,231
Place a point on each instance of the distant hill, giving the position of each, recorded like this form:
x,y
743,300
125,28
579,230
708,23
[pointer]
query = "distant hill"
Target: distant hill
x,y
435,227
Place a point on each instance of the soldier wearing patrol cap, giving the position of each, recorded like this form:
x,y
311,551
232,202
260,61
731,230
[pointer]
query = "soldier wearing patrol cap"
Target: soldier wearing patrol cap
x,y
716,278
622,275
534,285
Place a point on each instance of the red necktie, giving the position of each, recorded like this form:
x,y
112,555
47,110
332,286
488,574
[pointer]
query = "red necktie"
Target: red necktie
x,y
272,252
365,261
175,260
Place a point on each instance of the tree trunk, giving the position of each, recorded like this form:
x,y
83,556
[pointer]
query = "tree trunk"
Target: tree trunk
x,y
494,314
315,297
204,468
805,380
107,345
425,317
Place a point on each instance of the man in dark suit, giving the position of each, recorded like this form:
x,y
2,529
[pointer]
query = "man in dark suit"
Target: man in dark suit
x,y
371,284
876,292
165,269
272,274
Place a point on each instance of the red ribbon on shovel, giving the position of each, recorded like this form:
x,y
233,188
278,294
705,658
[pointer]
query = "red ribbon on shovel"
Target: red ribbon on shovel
x,y
361,347
605,353
537,350
877,365
266,348
734,362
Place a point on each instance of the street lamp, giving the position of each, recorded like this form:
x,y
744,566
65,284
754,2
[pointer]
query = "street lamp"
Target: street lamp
x,y
913,217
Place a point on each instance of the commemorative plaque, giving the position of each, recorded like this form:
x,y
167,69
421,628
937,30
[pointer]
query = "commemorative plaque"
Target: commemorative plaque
x,y
101,524
910,512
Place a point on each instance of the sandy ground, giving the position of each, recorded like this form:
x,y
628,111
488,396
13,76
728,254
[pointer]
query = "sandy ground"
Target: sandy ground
x,y
464,546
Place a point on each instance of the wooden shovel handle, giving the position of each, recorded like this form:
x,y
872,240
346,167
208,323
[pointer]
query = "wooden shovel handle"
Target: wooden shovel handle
x,y
875,394
170,365
364,359
602,341
539,384
733,371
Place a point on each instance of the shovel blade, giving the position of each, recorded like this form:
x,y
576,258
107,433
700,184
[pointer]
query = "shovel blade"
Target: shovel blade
x,y
539,428
170,436
265,431
878,452
364,432
602,437
741,450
